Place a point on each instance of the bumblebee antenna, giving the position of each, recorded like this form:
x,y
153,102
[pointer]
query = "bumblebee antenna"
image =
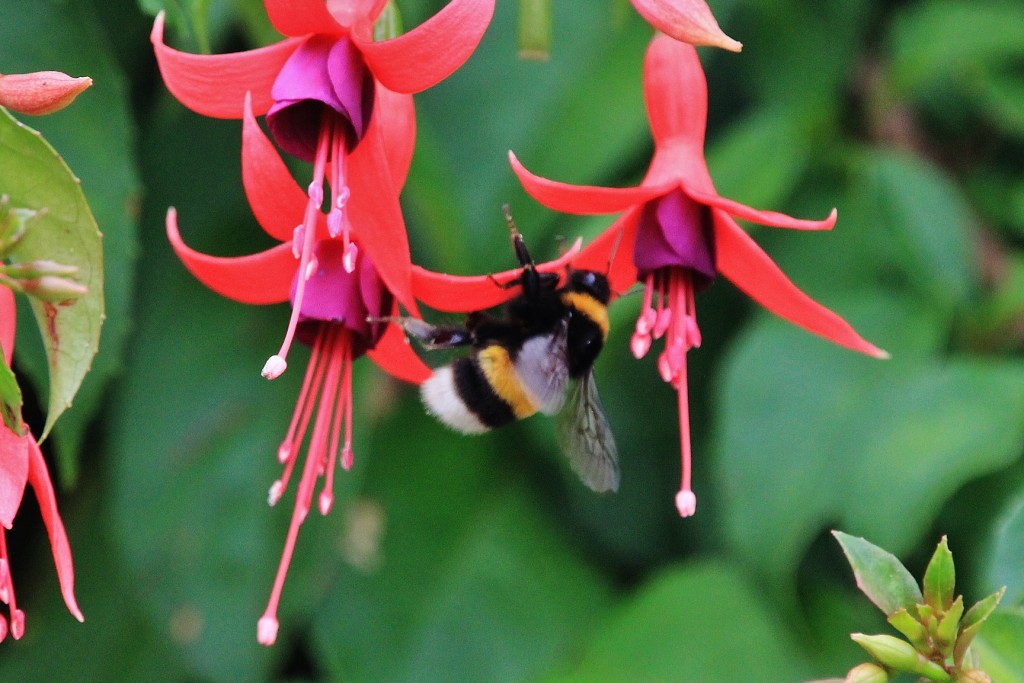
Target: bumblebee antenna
x,y
518,243
615,250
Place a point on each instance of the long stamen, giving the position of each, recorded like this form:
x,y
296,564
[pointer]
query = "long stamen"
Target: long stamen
x,y
312,383
17,617
640,344
346,453
340,397
267,627
277,364
337,220
681,339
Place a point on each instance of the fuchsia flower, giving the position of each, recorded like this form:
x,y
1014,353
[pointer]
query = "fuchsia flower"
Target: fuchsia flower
x,y
336,98
320,90
332,294
690,21
22,462
677,234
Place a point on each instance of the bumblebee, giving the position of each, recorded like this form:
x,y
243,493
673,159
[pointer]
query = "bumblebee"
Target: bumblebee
x,y
539,357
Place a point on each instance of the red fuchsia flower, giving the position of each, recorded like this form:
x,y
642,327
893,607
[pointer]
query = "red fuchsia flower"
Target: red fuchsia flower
x,y
677,234
22,462
333,293
690,21
320,90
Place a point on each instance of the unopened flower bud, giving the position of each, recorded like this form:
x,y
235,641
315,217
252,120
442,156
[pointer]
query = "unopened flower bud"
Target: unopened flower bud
x,y
900,655
868,672
35,269
975,676
689,21
53,288
41,92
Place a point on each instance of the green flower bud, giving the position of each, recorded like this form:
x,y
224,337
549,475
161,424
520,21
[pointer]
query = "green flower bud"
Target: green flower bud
x,y
868,672
900,655
53,289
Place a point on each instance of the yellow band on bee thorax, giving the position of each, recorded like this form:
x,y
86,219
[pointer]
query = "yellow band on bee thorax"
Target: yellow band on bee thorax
x,y
590,307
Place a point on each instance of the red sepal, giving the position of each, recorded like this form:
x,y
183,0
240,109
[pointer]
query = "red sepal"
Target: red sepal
x,y
749,268
40,480
263,278
215,85
429,53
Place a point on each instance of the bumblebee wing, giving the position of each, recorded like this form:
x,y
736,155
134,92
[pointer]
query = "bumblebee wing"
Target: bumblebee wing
x,y
543,369
586,438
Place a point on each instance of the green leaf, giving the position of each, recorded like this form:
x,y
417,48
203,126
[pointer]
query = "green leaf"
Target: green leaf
x,y
701,623
940,578
812,436
927,223
910,627
35,177
1000,647
947,39
1005,561
10,399
779,138
974,619
96,137
880,575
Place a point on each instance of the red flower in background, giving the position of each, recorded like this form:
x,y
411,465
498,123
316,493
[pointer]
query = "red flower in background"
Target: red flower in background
x,y
677,234
22,462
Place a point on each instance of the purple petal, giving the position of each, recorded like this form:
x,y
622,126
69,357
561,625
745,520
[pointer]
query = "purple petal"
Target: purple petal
x,y
336,296
323,71
675,231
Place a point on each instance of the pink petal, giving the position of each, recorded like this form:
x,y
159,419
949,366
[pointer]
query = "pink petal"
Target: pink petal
x,y
263,278
40,480
430,52
276,199
215,85
584,199
300,17
8,323
676,93
770,218
750,269
394,354
467,293
13,472
690,21
375,213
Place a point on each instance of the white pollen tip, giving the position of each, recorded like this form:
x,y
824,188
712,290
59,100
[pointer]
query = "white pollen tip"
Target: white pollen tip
x,y
274,495
266,631
325,501
274,367
686,503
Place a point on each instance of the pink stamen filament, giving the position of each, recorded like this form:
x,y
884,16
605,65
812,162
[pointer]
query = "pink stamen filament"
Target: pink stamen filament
x,y
337,220
669,309
327,389
17,618
277,363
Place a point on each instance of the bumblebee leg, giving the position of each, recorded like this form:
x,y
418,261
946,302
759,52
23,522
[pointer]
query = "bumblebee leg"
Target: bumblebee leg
x,y
431,336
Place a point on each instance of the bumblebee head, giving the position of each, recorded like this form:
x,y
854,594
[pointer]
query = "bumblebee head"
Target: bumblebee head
x,y
589,282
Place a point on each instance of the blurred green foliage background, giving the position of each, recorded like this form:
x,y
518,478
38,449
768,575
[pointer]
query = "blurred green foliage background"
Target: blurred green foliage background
x,y
457,558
